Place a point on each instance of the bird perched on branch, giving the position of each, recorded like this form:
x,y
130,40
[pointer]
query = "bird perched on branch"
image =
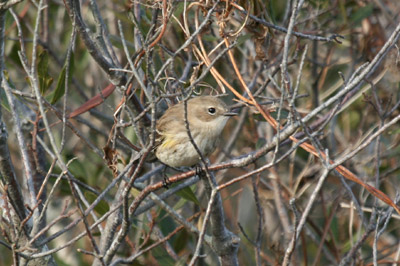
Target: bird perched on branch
x,y
206,118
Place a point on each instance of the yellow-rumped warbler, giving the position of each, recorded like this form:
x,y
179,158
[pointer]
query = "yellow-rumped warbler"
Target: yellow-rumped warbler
x,y
206,115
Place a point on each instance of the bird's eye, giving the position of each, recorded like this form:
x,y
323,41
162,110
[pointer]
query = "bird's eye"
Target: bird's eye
x,y
211,111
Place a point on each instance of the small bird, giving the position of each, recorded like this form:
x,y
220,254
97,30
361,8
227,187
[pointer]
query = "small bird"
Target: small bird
x,y
207,117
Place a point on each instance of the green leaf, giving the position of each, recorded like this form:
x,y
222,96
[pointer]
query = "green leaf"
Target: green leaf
x,y
284,114
179,9
188,194
162,257
102,207
361,13
272,11
45,80
60,89
13,54
181,240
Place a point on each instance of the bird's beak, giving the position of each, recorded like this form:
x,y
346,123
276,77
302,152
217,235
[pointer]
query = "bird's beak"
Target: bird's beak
x,y
230,113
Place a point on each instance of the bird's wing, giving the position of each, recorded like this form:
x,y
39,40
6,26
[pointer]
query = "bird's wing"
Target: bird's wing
x,y
171,119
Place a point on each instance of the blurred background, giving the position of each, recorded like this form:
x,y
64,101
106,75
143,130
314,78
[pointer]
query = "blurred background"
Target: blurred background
x,y
108,69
